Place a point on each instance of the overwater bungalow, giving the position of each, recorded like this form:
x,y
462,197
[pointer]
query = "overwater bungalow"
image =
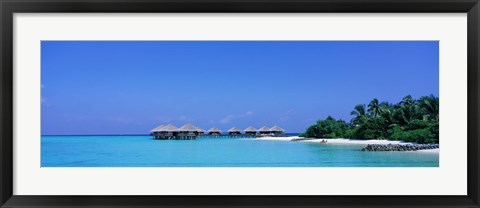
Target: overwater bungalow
x,y
155,130
234,131
167,132
201,131
250,131
214,132
277,131
188,131
264,131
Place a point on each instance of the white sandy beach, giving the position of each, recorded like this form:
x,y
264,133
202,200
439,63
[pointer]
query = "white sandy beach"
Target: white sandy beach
x,y
336,141
278,138
357,141
348,141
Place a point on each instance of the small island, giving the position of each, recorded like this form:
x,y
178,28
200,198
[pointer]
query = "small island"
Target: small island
x,y
412,121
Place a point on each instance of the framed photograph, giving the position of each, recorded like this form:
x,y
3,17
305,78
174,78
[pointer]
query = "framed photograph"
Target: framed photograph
x,y
265,103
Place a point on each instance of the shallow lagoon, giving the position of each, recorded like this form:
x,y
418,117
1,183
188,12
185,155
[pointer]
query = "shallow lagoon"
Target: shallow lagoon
x,y
143,151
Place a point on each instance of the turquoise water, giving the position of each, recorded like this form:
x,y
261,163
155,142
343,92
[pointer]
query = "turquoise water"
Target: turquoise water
x,y
143,151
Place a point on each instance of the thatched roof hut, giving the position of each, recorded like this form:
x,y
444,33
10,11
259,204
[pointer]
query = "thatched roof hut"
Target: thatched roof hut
x,y
189,128
200,131
276,129
264,130
156,129
250,129
234,129
188,131
168,128
213,129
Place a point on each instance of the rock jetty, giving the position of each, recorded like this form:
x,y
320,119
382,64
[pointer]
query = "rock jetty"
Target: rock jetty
x,y
399,147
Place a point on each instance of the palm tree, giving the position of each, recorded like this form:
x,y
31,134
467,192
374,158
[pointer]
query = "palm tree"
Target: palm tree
x,y
387,111
408,111
429,106
407,100
374,107
360,114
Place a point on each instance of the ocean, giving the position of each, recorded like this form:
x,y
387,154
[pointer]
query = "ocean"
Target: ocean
x,y
143,151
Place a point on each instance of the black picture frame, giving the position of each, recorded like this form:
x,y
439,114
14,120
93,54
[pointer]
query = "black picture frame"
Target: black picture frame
x,y
9,7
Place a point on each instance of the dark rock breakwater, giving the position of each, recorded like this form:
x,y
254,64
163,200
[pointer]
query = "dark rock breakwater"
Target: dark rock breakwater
x,y
399,147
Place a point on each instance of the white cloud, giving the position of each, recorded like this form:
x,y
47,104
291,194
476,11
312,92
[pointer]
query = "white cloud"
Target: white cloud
x,y
227,119
248,113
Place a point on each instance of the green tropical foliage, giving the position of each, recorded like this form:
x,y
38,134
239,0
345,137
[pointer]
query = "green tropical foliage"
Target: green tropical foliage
x,y
360,115
374,107
328,128
409,120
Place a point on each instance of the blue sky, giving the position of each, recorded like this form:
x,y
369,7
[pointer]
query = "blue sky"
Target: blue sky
x,y
129,87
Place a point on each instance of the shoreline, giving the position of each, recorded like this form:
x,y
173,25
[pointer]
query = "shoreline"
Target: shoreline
x,y
348,142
